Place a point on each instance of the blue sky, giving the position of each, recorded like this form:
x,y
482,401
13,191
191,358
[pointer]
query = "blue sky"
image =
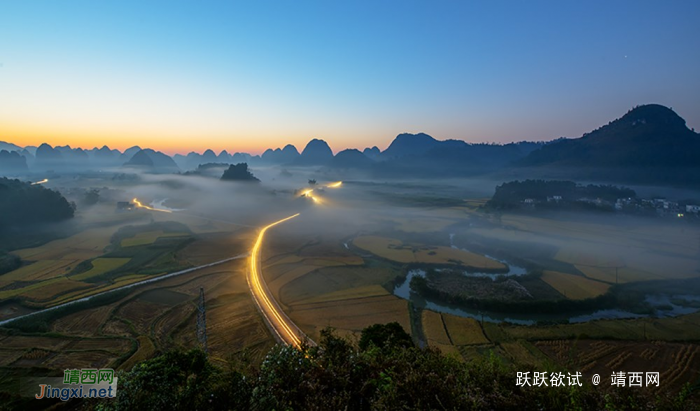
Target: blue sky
x,y
180,76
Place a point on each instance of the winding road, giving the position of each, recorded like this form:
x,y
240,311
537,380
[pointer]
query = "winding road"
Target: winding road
x,y
282,327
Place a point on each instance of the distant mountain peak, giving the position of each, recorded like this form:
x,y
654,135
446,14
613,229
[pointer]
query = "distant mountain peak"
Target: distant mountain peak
x,y
290,149
406,144
153,160
316,152
655,115
650,135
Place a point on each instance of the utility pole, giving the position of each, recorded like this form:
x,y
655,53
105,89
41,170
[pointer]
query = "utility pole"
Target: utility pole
x,y
202,321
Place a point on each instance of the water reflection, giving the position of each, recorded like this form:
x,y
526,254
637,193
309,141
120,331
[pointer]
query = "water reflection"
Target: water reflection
x,y
664,301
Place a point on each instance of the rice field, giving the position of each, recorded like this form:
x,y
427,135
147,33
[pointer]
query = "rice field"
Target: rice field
x,y
149,237
522,352
51,289
434,328
144,351
347,294
233,324
39,270
682,328
101,266
450,333
17,291
350,316
395,250
464,331
90,243
335,280
388,248
83,323
573,286
80,359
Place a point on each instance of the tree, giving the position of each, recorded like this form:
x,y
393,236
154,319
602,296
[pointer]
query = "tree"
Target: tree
x,y
23,204
239,172
390,335
92,196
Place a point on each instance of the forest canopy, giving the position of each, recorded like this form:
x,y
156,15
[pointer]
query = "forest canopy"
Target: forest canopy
x,y
512,194
23,204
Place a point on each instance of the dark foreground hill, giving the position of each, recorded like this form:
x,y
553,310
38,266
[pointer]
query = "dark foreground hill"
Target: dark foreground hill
x,y
23,204
385,371
650,143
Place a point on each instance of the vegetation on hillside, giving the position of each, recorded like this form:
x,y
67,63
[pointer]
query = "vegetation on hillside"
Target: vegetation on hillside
x,y
239,172
512,194
9,262
385,372
22,204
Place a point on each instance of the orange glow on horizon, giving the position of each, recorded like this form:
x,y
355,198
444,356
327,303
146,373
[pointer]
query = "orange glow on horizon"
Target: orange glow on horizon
x,y
170,145
177,142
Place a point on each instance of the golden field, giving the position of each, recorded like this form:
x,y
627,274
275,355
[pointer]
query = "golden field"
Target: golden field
x,y
573,286
395,250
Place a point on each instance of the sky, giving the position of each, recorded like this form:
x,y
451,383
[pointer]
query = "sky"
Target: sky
x,y
181,76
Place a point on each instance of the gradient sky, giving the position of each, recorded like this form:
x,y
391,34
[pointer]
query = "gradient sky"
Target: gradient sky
x,y
244,76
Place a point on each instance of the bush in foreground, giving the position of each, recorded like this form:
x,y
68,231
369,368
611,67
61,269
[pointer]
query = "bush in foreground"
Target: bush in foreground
x,y
384,373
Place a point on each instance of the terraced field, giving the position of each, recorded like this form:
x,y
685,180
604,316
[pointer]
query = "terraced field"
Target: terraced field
x,y
101,266
148,318
573,286
149,237
350,316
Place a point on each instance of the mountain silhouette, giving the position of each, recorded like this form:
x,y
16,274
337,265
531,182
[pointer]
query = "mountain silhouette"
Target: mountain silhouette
x,y
351,158
11,162
372,153
153,161
47,157
410,145
280,156
647,136
316,152
128,153
9,146
104,156
224,157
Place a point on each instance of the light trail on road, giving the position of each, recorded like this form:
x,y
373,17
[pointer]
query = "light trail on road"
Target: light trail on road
x,y
139,205
44,181
286,331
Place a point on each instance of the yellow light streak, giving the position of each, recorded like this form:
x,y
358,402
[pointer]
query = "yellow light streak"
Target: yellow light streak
x,y
335,185
44,181
282,325
307,192
139,205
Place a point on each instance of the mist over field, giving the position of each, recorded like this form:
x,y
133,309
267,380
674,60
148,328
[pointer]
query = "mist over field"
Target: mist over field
x,y
349,206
